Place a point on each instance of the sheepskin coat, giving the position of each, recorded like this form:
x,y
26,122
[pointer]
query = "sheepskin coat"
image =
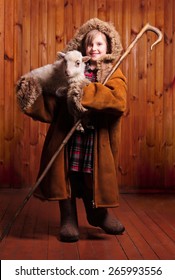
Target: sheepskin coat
x,y
106,103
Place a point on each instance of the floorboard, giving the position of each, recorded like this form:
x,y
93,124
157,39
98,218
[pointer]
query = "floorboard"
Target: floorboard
x,y
148,219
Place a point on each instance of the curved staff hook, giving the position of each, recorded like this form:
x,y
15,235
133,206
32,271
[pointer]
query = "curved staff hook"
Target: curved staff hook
x,y
147,27
144,29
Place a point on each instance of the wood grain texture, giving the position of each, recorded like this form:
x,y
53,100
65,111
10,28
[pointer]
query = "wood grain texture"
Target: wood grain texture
x,y
32,31
148,219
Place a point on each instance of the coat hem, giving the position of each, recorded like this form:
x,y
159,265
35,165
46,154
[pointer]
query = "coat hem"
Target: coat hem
x,y
107,205
42,198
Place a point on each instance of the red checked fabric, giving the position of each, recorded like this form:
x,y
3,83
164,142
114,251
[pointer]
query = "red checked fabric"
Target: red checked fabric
x,y
81,144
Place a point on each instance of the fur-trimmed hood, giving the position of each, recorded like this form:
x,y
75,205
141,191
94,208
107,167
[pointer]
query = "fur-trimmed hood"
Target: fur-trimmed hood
x,y
105,27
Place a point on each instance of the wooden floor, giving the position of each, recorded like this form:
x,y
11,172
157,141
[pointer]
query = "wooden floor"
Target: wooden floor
x,y
149,220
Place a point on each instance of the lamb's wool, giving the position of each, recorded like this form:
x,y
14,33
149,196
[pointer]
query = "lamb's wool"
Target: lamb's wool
x,y
42,81
74,68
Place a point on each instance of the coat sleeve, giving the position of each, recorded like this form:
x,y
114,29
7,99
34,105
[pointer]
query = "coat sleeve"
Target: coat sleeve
x,y
109,98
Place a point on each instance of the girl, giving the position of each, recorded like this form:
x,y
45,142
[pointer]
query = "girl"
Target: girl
x,y
87,166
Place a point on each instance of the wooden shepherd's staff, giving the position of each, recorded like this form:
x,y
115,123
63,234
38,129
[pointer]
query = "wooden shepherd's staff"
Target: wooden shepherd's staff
x,y
147,27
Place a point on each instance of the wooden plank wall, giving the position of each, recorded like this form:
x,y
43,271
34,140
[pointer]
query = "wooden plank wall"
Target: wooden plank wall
x,y
31,31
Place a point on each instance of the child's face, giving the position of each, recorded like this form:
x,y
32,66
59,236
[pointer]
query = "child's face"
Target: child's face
x,y
97,48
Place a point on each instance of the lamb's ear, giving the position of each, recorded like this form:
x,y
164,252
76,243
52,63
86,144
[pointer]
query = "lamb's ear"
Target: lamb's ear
x,y
60,55
86,58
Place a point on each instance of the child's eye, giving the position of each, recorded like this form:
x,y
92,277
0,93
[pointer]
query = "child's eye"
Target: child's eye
x,y
77,63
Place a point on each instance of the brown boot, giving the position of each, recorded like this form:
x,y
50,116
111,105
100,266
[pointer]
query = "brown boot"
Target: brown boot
x,y
69,223
110,224
99,217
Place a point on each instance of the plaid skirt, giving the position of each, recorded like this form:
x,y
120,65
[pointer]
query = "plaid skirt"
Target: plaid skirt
x,y
81,151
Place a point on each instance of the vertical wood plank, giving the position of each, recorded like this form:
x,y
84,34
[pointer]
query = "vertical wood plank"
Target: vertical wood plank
x,y
150,127
173,83
118,15
101,9
68,10
59,25
110,8
92,9
32,31
167,109
34,49
18,116
86,10
77,15
34,63
124,163
51,51
42,32
143,164
43,56
2,93
9,60
159,64
25,68
147,116
134,98
8,90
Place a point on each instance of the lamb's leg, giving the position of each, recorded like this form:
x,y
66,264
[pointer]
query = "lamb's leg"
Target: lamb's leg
x,y
78,106
78,109
79,127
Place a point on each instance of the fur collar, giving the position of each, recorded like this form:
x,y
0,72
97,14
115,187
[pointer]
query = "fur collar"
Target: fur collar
x,y
104,27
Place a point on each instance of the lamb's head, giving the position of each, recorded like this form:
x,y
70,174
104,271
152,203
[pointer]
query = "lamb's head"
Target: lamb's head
x,y
74,63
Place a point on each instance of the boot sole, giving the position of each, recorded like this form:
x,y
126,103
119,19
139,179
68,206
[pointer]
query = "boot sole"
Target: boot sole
x,y
119,232
69,239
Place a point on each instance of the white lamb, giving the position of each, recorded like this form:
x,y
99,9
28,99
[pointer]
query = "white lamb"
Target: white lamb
x,y
66,73
41,82
74,69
